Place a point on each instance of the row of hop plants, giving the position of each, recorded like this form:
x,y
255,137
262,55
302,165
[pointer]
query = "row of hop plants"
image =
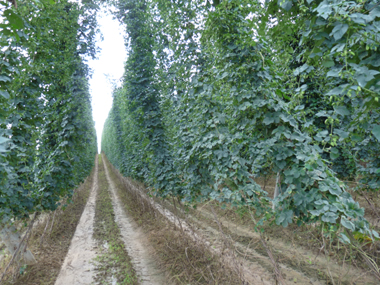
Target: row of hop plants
x,y
47,134
216,94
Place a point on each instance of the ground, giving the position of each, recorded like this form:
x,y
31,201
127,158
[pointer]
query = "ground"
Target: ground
x,y
114,232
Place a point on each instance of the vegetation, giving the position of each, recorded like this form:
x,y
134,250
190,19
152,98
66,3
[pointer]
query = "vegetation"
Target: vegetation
x,y
113,263
47,135
50,241
217,94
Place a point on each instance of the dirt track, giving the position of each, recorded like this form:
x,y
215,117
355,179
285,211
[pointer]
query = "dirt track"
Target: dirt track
x,y
298,264
135,241
236,245
77,267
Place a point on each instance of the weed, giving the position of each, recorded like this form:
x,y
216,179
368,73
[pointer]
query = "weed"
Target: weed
x,y
113,260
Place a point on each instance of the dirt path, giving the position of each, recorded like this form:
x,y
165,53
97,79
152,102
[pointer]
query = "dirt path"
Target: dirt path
x,y
135,241
237,246
295,260
298,265
77,267
251,272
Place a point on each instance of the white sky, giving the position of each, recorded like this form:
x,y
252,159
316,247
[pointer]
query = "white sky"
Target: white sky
x,y
109,67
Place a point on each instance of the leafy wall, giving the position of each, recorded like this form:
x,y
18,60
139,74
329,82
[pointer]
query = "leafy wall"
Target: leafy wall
x,y
217,94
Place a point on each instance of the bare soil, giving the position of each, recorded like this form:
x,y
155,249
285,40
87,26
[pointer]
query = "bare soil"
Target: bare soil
x,y
113,264
77,267
303,256
126,236
299,265
183,256
135,241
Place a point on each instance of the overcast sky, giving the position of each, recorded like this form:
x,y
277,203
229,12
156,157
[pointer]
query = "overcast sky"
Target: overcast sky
x,y
108,67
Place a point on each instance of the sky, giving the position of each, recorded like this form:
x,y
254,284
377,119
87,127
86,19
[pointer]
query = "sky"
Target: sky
x,y
107,68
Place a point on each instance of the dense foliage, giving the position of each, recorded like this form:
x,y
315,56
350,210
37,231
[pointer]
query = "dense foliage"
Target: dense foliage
x,y
217,94
47,134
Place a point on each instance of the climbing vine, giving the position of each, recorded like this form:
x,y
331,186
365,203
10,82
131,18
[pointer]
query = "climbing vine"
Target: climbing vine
x,y
219,93
47,135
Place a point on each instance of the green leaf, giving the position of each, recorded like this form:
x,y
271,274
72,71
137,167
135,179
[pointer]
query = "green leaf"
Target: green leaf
x,y
5,78
362,74
344,239
334,154
376,132
3,140
360,19
342,110
300,69
2,145
375,12
317,212
342,134
339,31
4,93
334,72
15,20
347,224
324,9
336,91
338,47
328,63
285,4
356,138
329,217
285,218
224,75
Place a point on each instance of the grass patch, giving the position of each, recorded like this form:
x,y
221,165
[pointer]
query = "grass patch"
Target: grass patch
x,y
113,261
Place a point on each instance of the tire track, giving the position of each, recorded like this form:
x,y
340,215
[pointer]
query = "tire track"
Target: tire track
x,y
135,241
252,272
77,268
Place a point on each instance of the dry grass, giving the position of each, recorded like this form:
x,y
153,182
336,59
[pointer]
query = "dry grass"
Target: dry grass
x,y
170,243
306,241
184,260
307,237
50,241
